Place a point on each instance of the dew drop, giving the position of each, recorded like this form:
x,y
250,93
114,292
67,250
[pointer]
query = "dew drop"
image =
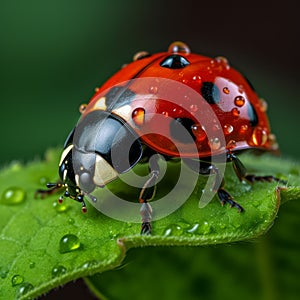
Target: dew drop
x,y
235,112
239,101
231,144
179,47
60,207
165,113
58,271
205,228
197,77
113,235
193,107
174,230
71,221
13,196
263,105
89,264
259,136
215,143
82,108
16,280
140,55
138,116
223,61
153,89
228,129
24,288
193,228
3,272
68,243
243,129
226,90
199,132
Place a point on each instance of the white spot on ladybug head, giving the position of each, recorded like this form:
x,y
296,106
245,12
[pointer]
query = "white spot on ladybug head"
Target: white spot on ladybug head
x,y
104,172
100,103
64,154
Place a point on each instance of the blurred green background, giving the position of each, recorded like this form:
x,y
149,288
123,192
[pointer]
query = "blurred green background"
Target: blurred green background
x,y
54,53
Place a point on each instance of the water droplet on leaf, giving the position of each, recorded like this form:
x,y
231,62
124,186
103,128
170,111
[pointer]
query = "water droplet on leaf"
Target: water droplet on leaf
x,y
13,196
173,230
60,207
68,243
3,272
16,280
58,271
24,288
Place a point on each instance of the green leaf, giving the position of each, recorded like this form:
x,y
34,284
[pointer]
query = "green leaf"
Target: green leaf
x,y
33,262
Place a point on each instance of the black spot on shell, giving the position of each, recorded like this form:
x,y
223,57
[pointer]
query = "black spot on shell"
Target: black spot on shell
x,y
181,130
210,92
118,96
174,62
253,118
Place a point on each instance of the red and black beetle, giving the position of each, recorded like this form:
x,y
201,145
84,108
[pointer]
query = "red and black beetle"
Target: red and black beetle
x,y
115,119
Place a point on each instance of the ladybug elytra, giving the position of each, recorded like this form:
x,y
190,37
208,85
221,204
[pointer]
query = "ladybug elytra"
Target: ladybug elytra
x,y
214,111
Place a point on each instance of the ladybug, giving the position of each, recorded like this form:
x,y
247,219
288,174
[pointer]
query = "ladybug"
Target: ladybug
x,y
118,127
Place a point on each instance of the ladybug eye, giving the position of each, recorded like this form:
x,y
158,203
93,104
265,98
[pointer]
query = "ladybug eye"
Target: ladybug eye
x,y
174,62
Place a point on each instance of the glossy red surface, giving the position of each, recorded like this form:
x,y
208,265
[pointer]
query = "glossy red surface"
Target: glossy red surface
x,y
239,114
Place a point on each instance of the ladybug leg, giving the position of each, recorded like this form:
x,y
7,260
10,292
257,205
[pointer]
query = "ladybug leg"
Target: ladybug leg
x,y
241,172
206,168
147,193
224,196
52,189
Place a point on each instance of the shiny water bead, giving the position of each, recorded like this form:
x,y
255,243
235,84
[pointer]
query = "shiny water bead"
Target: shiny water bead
x,y
239,101
227,129
23,289
68,243
263,105
199,132
82,108
179,47
153,89
226,90
17,279
215,143
259,136
138,116
235,112
243,128
140,55
13,196
58,271
231,144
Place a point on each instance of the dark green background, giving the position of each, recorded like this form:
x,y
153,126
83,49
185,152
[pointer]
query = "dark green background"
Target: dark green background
x,y
54,53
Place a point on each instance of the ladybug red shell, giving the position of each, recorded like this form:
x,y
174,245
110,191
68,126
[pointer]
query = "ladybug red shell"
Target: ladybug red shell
x,y
240,112
175,104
